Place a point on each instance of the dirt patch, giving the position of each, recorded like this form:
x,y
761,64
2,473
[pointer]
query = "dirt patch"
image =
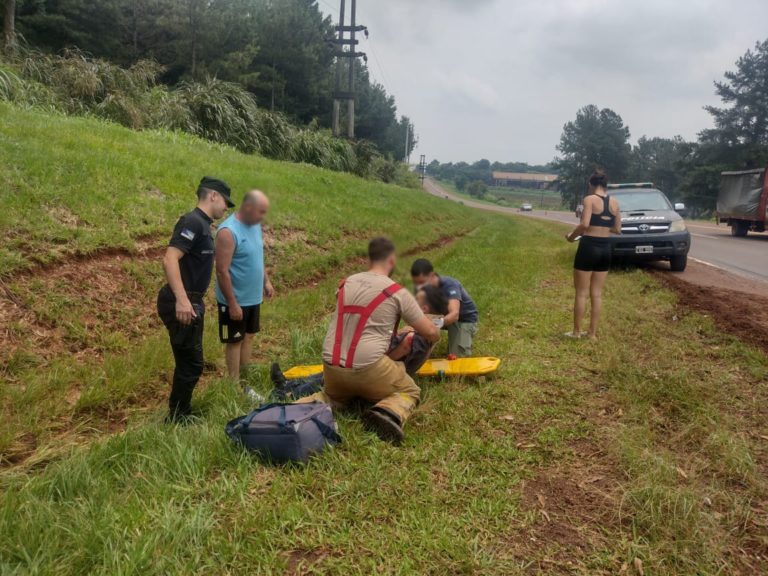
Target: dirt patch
x,y
570,507
274,238
441,242
701,274
155,194
361,261
76,307
64,216
302,562
738,306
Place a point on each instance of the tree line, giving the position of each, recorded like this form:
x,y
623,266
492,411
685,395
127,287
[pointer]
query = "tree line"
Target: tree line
x,y
686,171
475,178
277,51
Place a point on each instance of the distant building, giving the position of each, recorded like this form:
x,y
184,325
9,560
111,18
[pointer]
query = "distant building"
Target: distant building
x,y
535,180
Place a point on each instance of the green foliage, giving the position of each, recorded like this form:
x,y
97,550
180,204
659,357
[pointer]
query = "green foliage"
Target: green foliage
x,y
10,85
462,173
685,171
320,148
658,160
744,118
740,137
277,51
222,112
595,139
691,171
477,189
212,109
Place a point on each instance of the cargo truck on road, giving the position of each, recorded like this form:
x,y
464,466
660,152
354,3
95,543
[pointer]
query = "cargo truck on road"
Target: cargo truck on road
x,y
742,202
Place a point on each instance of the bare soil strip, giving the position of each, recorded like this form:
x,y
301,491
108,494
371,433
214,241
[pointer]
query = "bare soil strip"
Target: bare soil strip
x,y
107,296
110,301
739,306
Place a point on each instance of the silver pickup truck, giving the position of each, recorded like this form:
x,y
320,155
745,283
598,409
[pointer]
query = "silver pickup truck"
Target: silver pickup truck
x,y
651,227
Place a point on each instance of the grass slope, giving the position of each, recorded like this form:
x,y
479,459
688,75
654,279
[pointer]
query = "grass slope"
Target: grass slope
x,y
75,185
81,343
578,458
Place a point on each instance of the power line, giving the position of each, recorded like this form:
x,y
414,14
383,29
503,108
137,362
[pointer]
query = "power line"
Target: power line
x,y
376,60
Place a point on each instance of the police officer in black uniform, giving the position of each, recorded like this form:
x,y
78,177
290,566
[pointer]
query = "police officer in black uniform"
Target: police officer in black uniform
x,y
188,264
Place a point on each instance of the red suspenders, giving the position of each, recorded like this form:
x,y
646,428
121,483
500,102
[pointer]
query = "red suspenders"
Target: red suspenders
x,y
365,313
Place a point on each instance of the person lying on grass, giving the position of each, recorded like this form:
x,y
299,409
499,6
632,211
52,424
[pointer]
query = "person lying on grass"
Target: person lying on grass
x,y
407,346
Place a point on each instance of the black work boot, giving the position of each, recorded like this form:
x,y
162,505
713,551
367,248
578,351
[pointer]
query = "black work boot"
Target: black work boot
x,y
386,425
277,376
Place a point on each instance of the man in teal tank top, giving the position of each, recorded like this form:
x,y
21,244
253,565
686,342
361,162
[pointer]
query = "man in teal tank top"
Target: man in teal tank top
x,y
241,279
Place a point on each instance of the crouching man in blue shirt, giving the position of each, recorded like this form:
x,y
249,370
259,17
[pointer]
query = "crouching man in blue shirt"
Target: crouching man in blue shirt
x,y
462,317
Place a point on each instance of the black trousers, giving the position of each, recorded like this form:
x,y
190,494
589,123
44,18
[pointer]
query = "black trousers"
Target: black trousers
x,y
187,346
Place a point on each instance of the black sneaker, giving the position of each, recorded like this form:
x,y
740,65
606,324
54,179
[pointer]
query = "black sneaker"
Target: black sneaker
x,y
385,424
277,376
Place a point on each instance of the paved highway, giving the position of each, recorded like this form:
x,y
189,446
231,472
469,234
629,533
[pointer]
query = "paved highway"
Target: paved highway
x,y
710,244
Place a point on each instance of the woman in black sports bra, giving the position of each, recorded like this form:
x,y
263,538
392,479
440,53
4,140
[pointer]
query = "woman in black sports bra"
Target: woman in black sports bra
x,y
600,218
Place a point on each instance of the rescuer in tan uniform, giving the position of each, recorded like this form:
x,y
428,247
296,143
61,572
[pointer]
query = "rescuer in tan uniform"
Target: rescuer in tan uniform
x,y
355,362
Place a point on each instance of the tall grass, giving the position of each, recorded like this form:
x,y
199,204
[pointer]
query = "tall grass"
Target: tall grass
x,y
74,83
575,459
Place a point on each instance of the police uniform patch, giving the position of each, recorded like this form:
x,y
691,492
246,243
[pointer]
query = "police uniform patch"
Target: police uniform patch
x,y
188,234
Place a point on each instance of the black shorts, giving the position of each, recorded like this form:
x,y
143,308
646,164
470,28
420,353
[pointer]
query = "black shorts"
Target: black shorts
x,y
593,255
231,331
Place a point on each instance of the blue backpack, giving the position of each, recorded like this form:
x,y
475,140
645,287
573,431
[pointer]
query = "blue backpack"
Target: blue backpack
x,y
286,432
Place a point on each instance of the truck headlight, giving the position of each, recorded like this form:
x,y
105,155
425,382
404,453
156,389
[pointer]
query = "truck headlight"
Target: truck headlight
x,y
677,226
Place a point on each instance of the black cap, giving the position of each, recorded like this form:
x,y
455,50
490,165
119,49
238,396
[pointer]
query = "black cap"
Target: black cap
x,y
219,186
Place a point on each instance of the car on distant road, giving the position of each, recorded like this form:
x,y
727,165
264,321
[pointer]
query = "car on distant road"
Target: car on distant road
x,y
652,228
526,207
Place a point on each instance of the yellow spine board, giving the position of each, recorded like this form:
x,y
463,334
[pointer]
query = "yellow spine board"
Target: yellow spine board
x,y
432,368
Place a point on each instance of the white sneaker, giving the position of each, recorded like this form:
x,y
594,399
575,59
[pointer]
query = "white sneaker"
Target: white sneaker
x,y
252,395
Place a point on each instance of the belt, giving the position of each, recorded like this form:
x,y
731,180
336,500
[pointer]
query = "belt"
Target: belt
x,y
196,296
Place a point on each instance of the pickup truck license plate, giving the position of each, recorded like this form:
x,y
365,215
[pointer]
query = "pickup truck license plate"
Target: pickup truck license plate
x,y
643,249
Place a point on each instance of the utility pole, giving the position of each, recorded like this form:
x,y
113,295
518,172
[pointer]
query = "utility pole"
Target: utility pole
x,y
336,101
407,156
351,56
9,26
351,87
423,169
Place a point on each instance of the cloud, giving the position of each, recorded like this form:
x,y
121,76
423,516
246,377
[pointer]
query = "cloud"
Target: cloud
x,y
498,79
469,90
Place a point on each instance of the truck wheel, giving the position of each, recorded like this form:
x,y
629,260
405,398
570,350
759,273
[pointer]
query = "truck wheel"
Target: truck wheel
x,y
678,263
739,228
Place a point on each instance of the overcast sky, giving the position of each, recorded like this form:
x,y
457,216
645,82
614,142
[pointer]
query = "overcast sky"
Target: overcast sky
x,y
497,79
